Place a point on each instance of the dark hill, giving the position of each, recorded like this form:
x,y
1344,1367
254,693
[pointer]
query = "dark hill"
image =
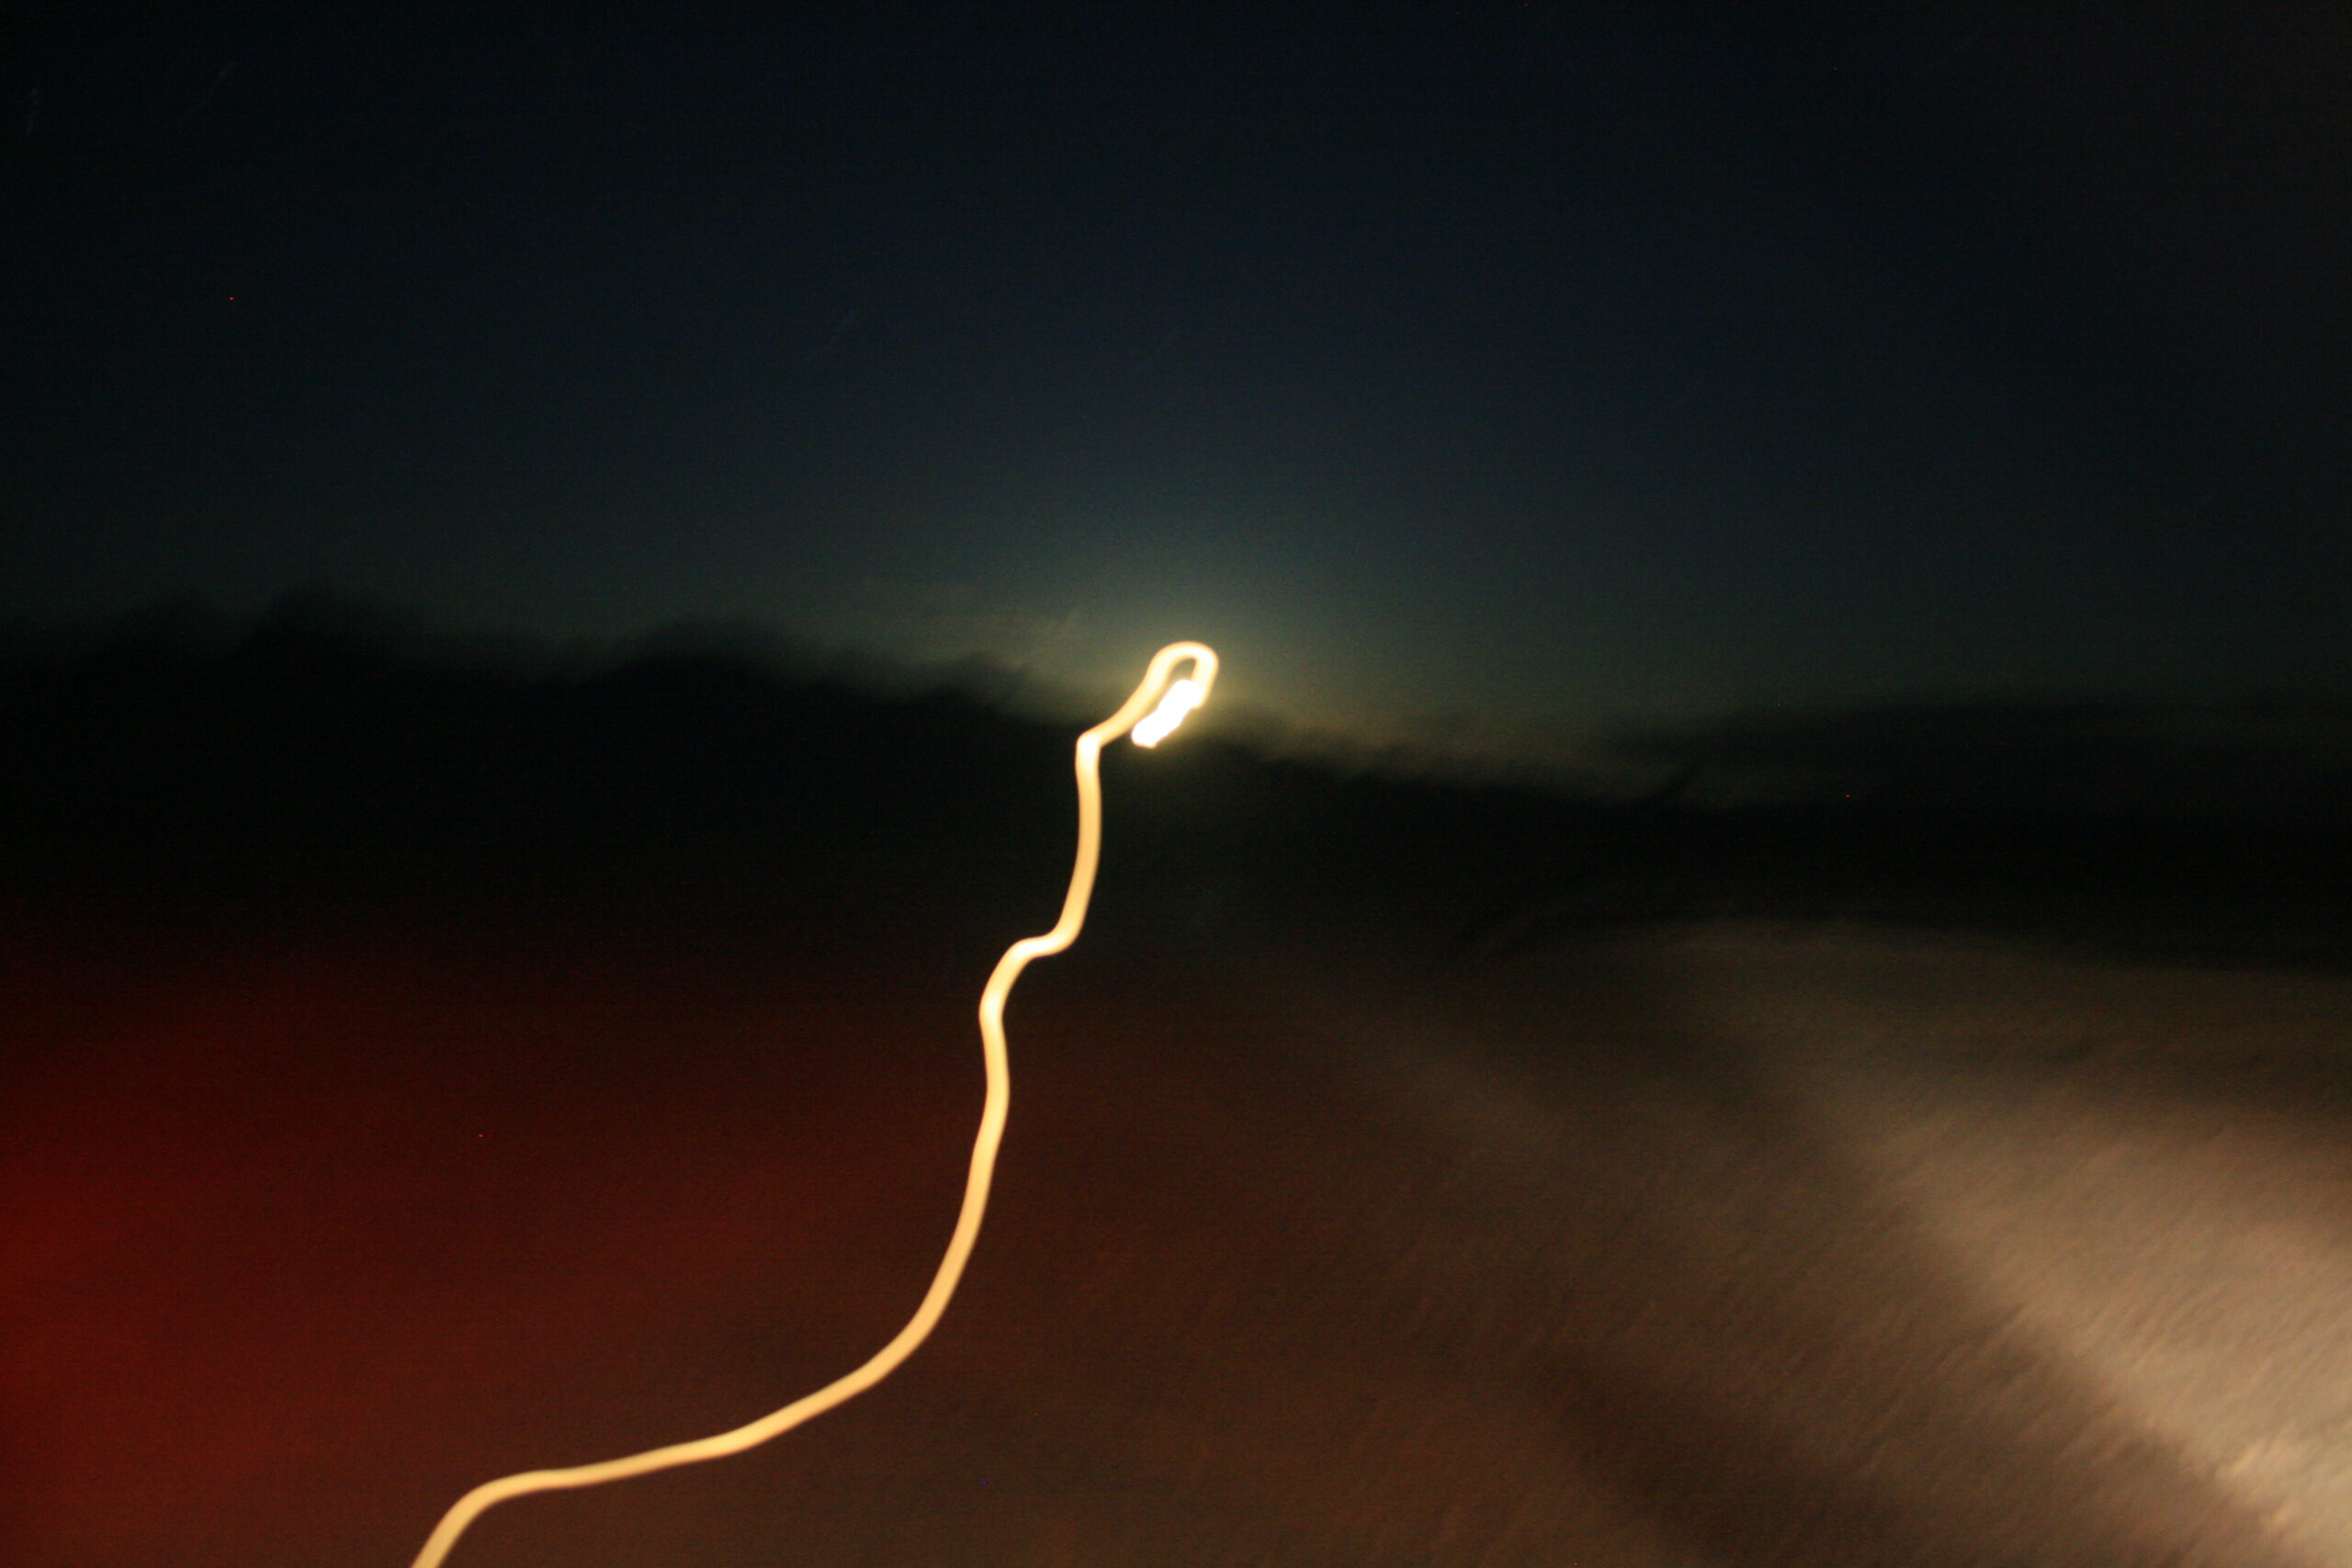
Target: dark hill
x,y
311,755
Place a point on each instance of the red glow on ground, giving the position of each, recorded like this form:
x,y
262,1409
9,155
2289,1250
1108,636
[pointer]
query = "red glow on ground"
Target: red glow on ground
x,y
278,1213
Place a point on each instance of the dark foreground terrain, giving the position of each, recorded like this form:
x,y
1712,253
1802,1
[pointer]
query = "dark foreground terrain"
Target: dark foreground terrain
x,y
1394,1175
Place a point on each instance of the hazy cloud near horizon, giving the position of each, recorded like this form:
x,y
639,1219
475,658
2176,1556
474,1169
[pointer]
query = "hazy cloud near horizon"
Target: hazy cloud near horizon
x,y
2156,760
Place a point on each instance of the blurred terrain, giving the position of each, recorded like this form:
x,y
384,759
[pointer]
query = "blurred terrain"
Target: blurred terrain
x,y
1906,1137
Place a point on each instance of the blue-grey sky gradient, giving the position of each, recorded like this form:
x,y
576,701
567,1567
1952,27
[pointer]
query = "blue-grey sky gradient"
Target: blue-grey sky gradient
x,y
1445,366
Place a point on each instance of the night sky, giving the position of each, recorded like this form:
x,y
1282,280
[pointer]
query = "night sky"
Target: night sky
x,y
1459,372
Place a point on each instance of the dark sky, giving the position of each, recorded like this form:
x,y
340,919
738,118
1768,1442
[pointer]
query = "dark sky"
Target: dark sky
x,y
1452,368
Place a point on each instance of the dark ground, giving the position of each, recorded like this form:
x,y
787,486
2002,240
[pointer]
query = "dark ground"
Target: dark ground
x,y
413,1078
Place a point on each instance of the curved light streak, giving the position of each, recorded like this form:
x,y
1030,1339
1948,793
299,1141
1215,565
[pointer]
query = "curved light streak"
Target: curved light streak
x,y
1174,702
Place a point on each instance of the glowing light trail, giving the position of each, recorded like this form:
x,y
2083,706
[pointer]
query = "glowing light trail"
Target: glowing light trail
x,y
1179,699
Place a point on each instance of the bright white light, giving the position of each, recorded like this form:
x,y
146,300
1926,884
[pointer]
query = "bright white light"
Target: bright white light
x,y
1182,698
